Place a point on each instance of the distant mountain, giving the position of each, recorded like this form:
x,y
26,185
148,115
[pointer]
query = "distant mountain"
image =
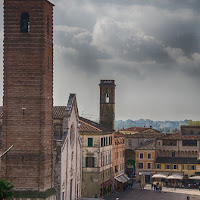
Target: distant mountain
x,y
163,126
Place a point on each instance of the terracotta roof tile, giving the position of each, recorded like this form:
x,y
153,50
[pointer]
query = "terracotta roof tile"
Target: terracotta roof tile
x,y
135,129
179,136
178,160
1,112
87,125
58,112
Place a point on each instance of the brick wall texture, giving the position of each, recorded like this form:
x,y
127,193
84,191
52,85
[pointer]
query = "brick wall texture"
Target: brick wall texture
x,y
28,95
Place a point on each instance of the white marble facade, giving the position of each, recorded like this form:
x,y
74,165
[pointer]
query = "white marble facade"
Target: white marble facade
x,y
71,153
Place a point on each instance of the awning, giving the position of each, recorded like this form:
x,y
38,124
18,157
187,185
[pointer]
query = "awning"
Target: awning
x,y
175,176
122,178
118,179
126,177
195,177
159,176
144,173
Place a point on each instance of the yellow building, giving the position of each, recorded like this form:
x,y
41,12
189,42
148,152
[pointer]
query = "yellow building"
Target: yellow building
x,y
176,158
144,162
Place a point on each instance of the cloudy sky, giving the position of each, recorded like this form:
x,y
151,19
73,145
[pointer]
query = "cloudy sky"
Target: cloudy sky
x,y
150,47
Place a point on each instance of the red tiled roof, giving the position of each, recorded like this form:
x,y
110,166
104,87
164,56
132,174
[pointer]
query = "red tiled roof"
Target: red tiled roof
x,y
178,136
58,112
135,129
118,134
1,112
87,125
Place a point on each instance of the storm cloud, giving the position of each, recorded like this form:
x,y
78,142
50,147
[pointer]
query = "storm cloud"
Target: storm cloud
x,y
150,47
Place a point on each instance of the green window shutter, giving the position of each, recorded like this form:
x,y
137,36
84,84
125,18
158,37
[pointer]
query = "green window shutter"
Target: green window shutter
x,y
101,142
86,161
90,142
92,161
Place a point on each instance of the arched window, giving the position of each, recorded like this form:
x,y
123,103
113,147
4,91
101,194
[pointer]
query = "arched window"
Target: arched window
x,y
24,23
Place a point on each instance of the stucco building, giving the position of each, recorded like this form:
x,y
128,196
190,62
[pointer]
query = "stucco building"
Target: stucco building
x,y
97,159
145,161
134,138
118,161
67,151
177,154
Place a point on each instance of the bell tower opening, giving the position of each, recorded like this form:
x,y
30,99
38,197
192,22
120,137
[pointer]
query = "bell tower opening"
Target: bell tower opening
x,y
107,103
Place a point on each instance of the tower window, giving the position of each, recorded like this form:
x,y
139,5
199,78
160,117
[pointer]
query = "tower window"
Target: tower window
x,y
107,98
24,23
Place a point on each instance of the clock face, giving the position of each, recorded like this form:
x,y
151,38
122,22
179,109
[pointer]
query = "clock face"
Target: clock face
x,y
72,135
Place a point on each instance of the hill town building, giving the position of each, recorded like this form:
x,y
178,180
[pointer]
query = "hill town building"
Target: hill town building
x,y
68,151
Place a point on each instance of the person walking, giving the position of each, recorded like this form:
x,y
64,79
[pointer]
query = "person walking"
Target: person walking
x,y
188,198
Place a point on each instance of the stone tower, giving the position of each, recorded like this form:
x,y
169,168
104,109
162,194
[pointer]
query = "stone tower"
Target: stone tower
x,y
28,94
107,103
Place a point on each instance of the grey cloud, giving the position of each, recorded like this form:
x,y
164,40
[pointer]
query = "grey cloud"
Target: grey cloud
x,y
82,55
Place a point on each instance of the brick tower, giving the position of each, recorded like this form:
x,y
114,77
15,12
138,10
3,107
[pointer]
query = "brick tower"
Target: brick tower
x,y
28,94
107,103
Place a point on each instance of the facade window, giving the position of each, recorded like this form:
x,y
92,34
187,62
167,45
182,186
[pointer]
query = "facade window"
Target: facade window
x,y
149,155
129,142
116,168
175,166
89,161
141,155
111,140
140,165
148,165
173,154
192,167
189,143
168,166
24,23
169,142
101,142
90,142
191,132
106,141
184,167
158,166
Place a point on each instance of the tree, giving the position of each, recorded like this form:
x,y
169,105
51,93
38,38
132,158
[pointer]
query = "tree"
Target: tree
x,y
6,189
193,123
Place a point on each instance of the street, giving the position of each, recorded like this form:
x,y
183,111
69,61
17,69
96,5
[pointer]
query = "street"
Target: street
x,y
148,194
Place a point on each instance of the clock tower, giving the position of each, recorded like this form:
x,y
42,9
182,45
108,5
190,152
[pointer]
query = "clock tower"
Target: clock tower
x,y
28,95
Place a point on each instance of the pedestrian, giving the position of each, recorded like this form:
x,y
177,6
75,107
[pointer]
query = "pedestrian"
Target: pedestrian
x,y
117,198
160,188
154,187
174,187
188,198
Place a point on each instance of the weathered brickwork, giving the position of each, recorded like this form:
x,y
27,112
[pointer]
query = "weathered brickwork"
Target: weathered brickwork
x,y
28,95
107,103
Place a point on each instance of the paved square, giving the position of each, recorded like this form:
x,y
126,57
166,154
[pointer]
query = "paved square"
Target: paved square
x,y
148,194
